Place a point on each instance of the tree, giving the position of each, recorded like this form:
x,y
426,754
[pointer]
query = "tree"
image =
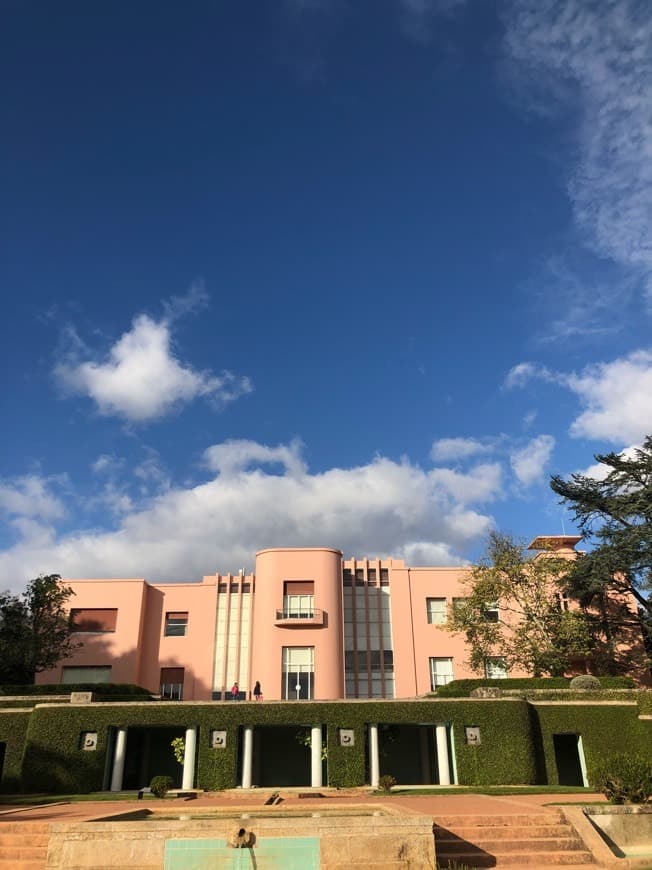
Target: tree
x,y
512,610
614,513
35,630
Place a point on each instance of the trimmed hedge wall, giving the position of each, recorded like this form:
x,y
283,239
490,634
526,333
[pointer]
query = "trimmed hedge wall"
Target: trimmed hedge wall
x,y
604,729
54,761
13,730
463,688
516,737
126,689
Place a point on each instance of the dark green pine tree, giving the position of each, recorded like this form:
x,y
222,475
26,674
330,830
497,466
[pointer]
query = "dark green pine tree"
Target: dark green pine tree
x,y
614,515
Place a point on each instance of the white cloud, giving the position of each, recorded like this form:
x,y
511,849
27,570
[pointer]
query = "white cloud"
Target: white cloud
x,y
383,507
106,463
617,396
603,52
618,399
529,463
520,374
141,379
446,449
30,496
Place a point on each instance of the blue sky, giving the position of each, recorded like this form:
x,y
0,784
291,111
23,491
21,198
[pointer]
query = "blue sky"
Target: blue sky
x,y
315,272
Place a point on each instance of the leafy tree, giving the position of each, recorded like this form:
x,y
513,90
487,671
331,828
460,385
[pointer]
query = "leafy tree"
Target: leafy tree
x,y
512,609
34,630
615,515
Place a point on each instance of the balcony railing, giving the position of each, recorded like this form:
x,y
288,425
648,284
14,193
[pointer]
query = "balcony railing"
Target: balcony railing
x,y
308,616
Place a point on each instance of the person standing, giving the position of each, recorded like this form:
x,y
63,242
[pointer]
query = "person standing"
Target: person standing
x,y
258,692
235,692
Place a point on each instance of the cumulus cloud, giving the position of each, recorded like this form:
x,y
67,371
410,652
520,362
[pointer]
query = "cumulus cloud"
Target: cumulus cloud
x,y
529,463
447,449
618,399
141,379
599,55
263,496
616,395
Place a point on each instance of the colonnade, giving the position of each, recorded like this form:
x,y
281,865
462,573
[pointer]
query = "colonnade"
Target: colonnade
x,y
188,777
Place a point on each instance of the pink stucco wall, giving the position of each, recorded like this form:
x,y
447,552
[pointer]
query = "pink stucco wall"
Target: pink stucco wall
x,y
273,567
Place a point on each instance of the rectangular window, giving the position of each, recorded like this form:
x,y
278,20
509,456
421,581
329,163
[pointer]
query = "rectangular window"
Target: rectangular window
x,y
441,672
86,674
298,599
347,577
359,576
495,668
562,600
490,612
171,683
371,576
458,606
384,576
298,673
91,621
176,624
436,611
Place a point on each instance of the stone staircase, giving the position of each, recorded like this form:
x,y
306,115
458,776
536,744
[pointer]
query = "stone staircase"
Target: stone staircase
x,y
23,845
532,840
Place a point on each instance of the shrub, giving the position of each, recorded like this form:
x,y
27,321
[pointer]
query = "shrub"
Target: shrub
x,y
386,783
625,779
585,681
160,785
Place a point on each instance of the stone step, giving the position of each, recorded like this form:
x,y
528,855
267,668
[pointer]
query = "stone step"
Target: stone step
x,y
470,832
9,840
12,864
547,858
24,853
559,844
524,819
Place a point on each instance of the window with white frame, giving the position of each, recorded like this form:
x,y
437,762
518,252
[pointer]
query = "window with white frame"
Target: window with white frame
x,y
495,668
441,672
436,611
176,624
298,673
298,599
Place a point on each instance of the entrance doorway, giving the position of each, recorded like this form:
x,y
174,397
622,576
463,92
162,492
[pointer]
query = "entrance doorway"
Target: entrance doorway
x,y
569,758
281,756
149,753
409,753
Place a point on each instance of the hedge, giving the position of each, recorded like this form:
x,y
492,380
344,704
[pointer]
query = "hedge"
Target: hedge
x,y
127,689
13,730
516,745
603,728
463,688
55,762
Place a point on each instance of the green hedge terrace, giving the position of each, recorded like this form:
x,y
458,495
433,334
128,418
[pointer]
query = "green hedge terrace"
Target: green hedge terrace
x,y
463,688
66,688
516,749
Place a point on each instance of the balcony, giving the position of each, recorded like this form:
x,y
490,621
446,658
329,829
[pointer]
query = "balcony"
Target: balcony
x,y
299,618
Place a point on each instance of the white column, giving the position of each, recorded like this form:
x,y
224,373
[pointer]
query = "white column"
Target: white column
x,y
119,759
247,755
188,779
315,756
374,757
442,755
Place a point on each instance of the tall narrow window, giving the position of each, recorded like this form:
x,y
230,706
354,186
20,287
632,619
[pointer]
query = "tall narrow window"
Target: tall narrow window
x,y
436,610
176,624
172,683
298,599
441,672
298,673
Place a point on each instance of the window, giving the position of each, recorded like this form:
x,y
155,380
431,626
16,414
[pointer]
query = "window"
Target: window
x,y
90,621
86,674
298,599
495,668
347,577
176,624
298,673
384,576
436,610
171,683
562,601
490,612
359,576
371,576
441,672
458,606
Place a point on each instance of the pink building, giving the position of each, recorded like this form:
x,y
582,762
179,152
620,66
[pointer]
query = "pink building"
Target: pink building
x,y
307,624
